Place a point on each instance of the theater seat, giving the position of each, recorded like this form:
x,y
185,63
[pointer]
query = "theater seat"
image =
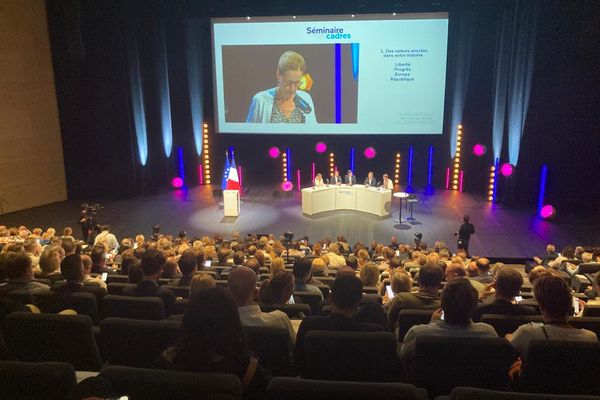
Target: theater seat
x,y
468,393
409,318
312,299
352,356
591,311
50,337
179,306
36,381
180,291
296,311
83,303
151,308
272,346
137,343
117,287
562,367
305,389
442,363
152,384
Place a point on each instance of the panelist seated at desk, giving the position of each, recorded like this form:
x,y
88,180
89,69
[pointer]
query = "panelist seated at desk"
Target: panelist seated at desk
x,y
370,180
387,183
350,179
319,180
336,179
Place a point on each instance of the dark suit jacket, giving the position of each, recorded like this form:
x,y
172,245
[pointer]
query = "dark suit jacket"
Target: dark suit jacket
x,y
151,289
502,307
71,287
333,322
352,181
336,180
372,182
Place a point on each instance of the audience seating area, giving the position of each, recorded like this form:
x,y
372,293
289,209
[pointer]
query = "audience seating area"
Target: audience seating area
x,y
121,337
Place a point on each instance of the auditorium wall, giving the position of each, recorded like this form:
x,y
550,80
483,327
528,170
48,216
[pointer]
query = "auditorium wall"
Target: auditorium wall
x,y
31,154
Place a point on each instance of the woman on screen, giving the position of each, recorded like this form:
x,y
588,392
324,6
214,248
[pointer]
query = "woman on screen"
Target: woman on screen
x,y
284,103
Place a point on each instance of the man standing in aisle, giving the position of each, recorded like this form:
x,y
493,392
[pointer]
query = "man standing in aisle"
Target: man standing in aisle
x,y
464,234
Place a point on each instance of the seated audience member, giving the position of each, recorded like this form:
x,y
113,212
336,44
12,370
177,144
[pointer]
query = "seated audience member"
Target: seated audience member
x,y
417,261
212,340
458,300
69,246
253,264
556,303
278,290
152,265
68,234
50,260
351,262
458,270
19,271
508,285
171,270
302,269
369,275
346,293
550,255
239,258
400,282
201,282
222,256
483,271
72,269
188,264
88,279
319,267
277,265
242,285
98,256
134,272
427,298
295,250
335,259
34,250
128,259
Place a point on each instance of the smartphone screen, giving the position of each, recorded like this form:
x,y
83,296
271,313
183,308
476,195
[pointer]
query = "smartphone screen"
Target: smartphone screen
x,y
575,305
389,292
291,300
104,276
442,317
518,299
207,263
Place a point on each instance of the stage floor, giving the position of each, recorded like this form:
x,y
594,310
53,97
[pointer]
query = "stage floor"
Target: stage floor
x,y
500,231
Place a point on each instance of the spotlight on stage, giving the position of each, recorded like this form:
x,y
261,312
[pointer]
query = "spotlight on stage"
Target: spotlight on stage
x,y
479,149
548,211
370,152
274,152
287,186
507,169
320,147
177,182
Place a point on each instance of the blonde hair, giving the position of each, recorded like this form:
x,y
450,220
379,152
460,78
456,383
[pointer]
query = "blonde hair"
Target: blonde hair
x,y
277,264
290,61
201,282
319,267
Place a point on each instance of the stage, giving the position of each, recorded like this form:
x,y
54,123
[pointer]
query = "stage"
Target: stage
x,y
500,231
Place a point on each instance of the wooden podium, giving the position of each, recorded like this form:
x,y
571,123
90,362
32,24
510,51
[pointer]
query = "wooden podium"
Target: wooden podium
x,y
231,203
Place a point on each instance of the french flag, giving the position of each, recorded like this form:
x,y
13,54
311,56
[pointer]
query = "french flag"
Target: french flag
x,y
233,180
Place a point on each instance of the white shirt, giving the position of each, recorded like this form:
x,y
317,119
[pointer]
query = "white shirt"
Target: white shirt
x,y
318,181
111,240
390,184
252,316
535,330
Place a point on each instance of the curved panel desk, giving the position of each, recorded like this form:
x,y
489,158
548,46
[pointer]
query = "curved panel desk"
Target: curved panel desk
x,y
328,198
